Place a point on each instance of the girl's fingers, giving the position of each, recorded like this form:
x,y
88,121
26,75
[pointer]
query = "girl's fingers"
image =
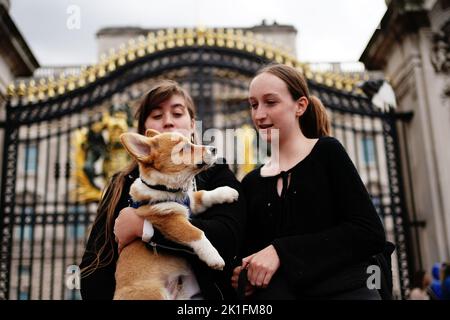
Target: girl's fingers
x,y
260,278
237,271
234,282
235,277
250,274
255,276
267,279
247,260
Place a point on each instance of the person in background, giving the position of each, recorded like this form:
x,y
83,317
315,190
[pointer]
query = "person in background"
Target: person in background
x,y
420,286
435,288
445,283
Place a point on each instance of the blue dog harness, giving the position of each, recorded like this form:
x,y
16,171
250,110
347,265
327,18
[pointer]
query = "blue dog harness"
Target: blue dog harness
x,y
184,202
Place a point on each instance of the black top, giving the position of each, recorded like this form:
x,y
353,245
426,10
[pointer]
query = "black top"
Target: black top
x,y
324,226
223,226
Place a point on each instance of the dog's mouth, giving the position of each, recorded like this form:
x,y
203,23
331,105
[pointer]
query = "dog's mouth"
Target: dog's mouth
x,y
206,163
208,159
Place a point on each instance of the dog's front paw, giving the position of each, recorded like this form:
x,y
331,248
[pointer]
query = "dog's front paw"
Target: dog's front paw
x,y
206,252
225,195
216,262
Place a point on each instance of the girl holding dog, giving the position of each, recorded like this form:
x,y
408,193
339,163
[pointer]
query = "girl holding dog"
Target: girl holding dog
x,y
311,225
166,107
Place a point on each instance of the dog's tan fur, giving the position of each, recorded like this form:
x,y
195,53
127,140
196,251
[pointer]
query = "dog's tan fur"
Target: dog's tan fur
x,y
141,274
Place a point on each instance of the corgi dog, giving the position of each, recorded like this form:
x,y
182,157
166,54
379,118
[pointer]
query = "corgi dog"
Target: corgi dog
x,y
168,162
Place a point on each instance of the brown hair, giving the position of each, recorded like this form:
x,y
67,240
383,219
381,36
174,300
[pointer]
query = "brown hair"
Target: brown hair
x,y
105,242
314,123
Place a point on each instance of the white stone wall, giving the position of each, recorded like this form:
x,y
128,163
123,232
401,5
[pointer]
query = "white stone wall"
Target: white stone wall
x,y
5,78
419,89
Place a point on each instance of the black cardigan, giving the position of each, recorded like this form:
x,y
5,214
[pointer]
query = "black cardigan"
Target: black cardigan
x,y
324,226
223,226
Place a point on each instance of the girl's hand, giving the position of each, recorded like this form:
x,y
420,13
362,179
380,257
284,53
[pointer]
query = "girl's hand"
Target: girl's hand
x,y
127,227
261,266
249,289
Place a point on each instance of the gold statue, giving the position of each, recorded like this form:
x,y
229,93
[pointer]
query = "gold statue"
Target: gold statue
x,y
99,142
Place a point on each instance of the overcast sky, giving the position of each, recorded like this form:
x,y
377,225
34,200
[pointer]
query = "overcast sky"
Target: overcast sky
x,y
328,30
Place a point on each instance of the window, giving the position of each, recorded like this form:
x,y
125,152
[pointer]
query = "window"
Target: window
x,y
26,230
24,270
23,295
26,233
31,159
368,148
377,204
24,273
72,294
77,230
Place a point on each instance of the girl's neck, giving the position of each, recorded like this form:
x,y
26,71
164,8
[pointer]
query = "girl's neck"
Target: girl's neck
x,y
291,150
292,145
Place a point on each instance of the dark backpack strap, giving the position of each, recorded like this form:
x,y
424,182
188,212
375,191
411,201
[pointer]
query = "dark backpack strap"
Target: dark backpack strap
x,y
383,260
386,279
242,283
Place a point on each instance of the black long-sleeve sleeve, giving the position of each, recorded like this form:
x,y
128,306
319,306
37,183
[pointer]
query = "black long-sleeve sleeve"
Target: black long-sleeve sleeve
x,y
333,223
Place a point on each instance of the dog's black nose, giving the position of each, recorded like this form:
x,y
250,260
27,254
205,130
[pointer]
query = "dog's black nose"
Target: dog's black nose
x,y
213,150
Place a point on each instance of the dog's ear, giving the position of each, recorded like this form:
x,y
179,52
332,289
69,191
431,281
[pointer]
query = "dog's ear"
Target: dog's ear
x,y
151,133
137,145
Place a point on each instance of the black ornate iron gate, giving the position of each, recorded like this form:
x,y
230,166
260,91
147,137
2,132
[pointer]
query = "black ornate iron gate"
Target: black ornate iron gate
x,y
48,202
